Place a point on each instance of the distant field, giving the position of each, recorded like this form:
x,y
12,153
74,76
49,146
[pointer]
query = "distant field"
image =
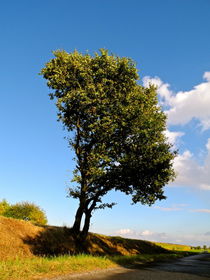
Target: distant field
x,y
178,247
32,252
174,247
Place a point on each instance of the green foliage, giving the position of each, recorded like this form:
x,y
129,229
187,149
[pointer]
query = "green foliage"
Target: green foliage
x,y
4,205
118,129
26,211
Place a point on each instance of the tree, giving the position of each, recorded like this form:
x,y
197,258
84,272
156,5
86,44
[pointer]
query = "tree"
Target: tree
x,y
117,130
27,211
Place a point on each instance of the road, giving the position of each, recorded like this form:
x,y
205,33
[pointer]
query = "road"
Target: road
x,y
188,268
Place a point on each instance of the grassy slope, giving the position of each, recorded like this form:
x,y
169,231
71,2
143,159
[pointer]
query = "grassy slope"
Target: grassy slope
x,y
21,242
23,239
12,235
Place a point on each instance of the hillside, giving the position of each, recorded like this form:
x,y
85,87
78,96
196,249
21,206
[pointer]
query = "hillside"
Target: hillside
x,y
23,239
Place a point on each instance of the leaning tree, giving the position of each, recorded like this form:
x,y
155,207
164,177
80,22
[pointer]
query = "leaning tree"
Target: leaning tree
x,y
117,130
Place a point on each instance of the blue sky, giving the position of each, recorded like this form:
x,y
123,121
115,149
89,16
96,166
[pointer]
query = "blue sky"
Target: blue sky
x,y
170,42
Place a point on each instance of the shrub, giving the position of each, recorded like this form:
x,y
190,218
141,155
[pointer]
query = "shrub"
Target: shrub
x,y
27,211
4,206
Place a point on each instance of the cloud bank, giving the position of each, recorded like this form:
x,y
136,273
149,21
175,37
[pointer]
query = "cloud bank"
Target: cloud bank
x,y
184,105
181,108
188,239
190,172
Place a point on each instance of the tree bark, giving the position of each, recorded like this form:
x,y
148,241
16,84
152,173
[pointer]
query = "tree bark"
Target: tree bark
x,y
86,224
78,219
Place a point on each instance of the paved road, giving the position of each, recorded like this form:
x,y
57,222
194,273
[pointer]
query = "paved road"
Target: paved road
x,y
188,268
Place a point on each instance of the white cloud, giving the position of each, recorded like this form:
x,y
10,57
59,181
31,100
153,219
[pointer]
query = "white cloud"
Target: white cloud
x,y
182,107
201,210
207,76
173,136
205,187
185,239
146,233
190,172
162,88
124,231
185,105
168,209
208,145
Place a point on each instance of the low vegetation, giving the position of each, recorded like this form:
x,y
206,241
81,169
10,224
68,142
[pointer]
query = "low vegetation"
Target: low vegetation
x,y
39,267
25,210
36,252
183,248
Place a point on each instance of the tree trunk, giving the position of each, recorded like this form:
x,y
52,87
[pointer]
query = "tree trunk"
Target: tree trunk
x,y
86,224
78,219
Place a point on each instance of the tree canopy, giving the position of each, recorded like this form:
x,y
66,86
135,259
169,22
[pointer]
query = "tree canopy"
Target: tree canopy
x,y
117,129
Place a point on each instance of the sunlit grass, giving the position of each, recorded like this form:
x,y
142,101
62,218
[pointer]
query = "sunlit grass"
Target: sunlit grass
x,y
174,247
39,267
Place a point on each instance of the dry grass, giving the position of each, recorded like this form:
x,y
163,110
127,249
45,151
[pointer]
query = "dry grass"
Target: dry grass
x,y
12,235
30,252
23,239
107,245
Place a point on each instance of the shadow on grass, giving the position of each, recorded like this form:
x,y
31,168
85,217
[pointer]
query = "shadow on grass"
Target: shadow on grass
x,y
55,241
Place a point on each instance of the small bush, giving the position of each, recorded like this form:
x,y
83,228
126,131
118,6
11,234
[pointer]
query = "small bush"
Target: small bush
x,y
26,211
4,206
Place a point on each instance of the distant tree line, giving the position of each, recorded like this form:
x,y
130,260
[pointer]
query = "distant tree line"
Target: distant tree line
x,y
200,248
24,211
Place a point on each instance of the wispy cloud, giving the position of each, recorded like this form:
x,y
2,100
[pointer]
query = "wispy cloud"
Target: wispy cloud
x,y
174,207
168,209
186,239
200,210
